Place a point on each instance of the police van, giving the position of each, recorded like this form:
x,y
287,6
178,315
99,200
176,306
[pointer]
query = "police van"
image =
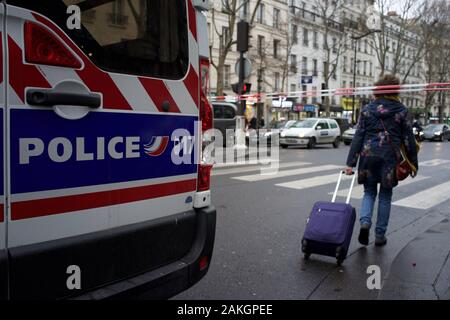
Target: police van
x,y
105,190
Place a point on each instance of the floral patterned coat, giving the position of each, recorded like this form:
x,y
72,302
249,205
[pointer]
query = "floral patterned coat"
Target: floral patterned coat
x,y
371,144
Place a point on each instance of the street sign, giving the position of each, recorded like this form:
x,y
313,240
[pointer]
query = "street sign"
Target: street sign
x,y
307,80
247,67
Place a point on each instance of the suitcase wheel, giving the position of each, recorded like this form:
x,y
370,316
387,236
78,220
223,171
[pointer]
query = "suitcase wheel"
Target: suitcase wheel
x,y
307,256
338,252
339,262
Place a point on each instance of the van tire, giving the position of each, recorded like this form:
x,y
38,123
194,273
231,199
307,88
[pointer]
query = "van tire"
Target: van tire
x,y
284,146
312,143
336,143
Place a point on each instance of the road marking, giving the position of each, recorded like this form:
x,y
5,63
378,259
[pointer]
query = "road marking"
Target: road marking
x,y
257,168
358,192
428,198
269,175
433,163
312,182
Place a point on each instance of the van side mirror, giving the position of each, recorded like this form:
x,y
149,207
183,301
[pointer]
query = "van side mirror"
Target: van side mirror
x,y
318,128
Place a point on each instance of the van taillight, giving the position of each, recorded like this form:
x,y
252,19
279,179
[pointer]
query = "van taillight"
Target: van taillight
x,y
43,47
204,177
206,114
206,117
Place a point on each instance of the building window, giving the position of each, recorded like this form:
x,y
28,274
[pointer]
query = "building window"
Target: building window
x,y
225,36
276,44
277,81
316,40
245,9
304,66
315,63
304,99
260,16
293,63
305,37
294,34
276,18
226,75
261,45
345,64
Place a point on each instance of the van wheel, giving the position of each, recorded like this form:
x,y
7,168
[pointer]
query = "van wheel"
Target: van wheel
x,y
336,143
312,143
347,143
284,146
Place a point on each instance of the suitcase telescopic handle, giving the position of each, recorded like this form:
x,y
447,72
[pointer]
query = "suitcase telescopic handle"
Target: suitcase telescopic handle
x,y
339,184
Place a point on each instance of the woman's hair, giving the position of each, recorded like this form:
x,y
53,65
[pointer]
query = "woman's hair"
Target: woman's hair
x,y
387,80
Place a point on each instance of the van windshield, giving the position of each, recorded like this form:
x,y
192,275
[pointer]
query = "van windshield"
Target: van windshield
x,y
305,124
141,37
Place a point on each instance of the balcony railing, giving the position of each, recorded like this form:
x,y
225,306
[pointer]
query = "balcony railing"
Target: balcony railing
x,y
307,15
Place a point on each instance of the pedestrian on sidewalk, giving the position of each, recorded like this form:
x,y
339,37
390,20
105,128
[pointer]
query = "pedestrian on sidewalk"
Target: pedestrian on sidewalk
x,y
382,127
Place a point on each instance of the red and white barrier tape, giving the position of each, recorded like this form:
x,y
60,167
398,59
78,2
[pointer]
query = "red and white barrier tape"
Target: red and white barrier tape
x,y
405,88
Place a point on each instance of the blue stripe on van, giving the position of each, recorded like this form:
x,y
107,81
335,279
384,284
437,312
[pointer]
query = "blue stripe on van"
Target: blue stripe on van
x,y
43,173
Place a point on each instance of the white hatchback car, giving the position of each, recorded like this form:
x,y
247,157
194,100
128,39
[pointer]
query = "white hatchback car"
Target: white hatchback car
x,y
311,132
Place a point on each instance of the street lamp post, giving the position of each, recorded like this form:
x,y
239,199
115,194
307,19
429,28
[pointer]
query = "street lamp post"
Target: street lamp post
x,y
355,39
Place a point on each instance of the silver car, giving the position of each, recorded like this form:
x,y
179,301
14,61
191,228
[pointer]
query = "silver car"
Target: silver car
x,y
311,132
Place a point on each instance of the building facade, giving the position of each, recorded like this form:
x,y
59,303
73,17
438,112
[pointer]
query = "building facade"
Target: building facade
x,y
294,50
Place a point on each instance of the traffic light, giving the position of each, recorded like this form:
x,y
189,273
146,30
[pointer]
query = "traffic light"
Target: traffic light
x,y
246,89
243,36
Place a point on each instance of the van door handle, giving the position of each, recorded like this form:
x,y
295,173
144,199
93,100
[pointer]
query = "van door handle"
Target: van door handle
x,y
50,98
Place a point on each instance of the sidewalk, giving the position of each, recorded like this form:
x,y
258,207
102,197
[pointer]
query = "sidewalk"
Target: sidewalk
x,y
422,269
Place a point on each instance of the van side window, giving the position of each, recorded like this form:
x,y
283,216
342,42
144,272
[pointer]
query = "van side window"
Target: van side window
x,y
139,37
218,112
333,125
228,112
324,125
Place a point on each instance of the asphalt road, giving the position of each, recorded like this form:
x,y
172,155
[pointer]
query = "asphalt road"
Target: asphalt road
x,y
261,220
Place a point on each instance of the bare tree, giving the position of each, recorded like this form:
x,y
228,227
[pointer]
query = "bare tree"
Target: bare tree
x,y
399,31
328,11
437,50
230,10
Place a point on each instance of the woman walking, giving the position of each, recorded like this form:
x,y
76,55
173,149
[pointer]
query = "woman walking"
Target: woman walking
x,y
382,128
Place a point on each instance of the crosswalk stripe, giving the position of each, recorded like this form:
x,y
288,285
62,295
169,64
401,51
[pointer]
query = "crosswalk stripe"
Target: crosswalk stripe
x,y
269,175
358,192
256,168
433,163
312,182
428,198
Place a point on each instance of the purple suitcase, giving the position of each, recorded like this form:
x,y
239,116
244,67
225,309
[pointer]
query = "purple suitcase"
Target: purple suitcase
x,y
329,227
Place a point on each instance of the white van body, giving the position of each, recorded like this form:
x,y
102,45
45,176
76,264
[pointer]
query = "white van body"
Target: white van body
x,y
101,115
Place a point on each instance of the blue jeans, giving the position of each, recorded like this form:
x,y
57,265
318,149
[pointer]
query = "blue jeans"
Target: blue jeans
x,y
384,206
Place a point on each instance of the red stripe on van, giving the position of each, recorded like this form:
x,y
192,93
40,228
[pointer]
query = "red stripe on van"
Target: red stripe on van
x,y
94,78
23,75
52,206
99,81
192,19
192,84
159,93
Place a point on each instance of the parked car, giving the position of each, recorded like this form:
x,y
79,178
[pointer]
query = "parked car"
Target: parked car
x,y
347,136
225,118
439,132
311,132
266,134
343,123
